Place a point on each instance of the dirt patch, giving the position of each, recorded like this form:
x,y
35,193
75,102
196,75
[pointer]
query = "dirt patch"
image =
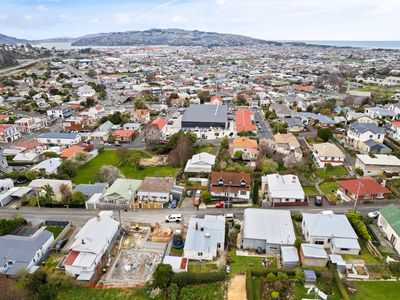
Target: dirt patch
x,y
237,288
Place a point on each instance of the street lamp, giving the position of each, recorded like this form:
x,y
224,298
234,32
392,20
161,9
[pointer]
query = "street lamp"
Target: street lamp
x,y
358,194
69,214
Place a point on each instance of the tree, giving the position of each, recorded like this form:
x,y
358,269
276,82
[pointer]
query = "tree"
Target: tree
x,y
255,191
182,152
65,192
92,73
238,155
225,143
78,198
162,276
325,134
68,167
140,104
124,155
9,291
48,194
108,174
50,154
206,197
300,276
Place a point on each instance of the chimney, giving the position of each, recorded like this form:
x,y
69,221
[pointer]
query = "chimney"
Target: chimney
x,y
83,242
207,235
196,226
98,218
383,183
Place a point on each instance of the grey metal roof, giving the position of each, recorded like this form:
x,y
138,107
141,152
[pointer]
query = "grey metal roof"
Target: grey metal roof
x,y
205,113
364,127
58,135
20,250
90,189
289,254
315,251
328,225
272,225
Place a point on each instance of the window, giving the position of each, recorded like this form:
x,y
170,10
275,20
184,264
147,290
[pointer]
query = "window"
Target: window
x,y
344,249
273,248
218,245
329,240
200,253
221,182
243,193
318,242
243,183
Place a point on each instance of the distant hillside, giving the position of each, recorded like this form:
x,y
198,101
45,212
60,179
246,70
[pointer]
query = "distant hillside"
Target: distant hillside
x,y
7,59
10,54
5,39
172,37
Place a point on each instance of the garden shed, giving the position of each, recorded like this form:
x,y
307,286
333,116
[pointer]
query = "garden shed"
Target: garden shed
x,y
289,257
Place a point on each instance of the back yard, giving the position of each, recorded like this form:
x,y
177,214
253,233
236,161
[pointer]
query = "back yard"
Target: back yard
x,y
377,290
239,264
326,173
87,172
328,189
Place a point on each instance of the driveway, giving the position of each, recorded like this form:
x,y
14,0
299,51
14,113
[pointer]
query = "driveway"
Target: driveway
x,y
237,288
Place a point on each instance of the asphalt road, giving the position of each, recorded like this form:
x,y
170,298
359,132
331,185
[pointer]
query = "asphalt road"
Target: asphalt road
x,y
80,216
265,131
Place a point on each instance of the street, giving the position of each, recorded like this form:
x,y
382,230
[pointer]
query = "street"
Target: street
x,y
265,131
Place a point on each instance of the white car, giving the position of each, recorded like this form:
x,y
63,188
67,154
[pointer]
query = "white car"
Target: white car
x,y
174,218
373,214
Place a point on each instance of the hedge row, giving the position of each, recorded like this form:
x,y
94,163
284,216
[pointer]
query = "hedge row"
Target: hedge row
x,y
339,284
249,285
183,279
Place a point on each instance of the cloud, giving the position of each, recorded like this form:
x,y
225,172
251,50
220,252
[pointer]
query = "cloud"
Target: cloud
x,y
221,2
121,18
42,8
178,19
27,18
3,17
94,20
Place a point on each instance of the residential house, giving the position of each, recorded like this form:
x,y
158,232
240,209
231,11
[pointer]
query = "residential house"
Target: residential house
x,y
312,255
371,146
73,124
267,230
282,188
90,189
38,185
359,133
380,113
281,110
60,139
287,144
156,131
86,91
9,133
244,121
216,100
122,192
333,232
124,135
29,125
248,148
234,187
6,189
72,151
26,157
91,247
361,189
378,164
23,253
155,191
141,116
327,153
50,166
205,116
389,224
294,124
200,163
63,111
395,130
102,132
205,238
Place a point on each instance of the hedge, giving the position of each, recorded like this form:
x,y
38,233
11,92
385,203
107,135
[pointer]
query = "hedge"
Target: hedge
x,y
339,284
183,279
249,285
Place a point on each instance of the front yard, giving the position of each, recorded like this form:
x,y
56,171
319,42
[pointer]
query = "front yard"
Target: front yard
x,y
239,264
330,172
87,172
377,290
310,190
328,188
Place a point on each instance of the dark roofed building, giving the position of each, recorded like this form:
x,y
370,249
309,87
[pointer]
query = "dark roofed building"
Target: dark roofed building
x,y
205,116
231,186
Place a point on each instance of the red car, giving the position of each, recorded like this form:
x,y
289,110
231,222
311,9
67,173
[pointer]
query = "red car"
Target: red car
x,y
219,204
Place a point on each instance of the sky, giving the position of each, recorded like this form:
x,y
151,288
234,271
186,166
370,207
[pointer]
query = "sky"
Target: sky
x,y
367,20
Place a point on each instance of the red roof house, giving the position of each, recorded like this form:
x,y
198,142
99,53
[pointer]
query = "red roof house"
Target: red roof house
x,y
71,151
366,188
124,135
216,100
244,121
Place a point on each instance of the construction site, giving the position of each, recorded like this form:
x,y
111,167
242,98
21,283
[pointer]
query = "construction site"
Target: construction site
x,y
136,256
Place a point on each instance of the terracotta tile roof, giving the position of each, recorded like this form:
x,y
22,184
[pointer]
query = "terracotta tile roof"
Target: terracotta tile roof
x,y
124,133
70,152
244,121
367,185
5,126
304,88
216,98
159,123
28,145
244,142
396,123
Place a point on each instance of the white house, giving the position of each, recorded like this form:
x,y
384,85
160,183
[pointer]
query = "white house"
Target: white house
x,y
86,91
389,223
327,153
60,139
360,133
50,165
205,238
267,229
282,188
332,231
18,253
9,133
200,163
29,125
155,189
92,242
63,111
378,164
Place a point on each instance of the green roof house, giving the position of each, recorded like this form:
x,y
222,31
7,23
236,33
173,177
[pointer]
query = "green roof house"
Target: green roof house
x,y
122,191
389,223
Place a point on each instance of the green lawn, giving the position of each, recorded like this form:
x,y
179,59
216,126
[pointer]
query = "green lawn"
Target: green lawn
x,y
56,230
53,260
364,255
239,264
204,148
176,252
377,290
327,188
87,171
210,291
310,190
326,173
82,293
197,267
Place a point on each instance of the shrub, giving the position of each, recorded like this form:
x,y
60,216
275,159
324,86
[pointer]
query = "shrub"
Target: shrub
x,y
299,240
183,279
249,285
300,276
275,295
359,171
8,226
174,291
162,276
358,224
298,217
271,277
282,276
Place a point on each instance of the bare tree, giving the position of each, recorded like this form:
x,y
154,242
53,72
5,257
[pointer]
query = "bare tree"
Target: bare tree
x,y
65,192
123,155
109,174
182,152
10,292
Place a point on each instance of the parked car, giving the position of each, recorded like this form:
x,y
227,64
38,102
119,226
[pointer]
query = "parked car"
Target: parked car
x,y
229,217
174,203
60,244
219,204
174,218
318,201
373,214
189,193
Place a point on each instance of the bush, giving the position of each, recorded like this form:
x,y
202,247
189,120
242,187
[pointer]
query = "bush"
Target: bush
x,y
183,279
300,276
162,276
298,217
359,171
299,240
8,226
356,220
282,276
174,291
271,277
275,295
